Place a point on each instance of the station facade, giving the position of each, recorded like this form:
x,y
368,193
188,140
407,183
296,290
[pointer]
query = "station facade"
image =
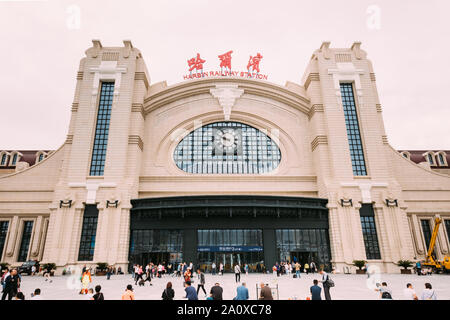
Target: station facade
x,y
223,169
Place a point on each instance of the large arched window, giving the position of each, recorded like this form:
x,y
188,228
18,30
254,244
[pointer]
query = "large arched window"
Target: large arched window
x,y
227,148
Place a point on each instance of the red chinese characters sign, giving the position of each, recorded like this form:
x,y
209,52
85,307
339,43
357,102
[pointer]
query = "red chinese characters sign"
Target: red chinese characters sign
x,y
195,68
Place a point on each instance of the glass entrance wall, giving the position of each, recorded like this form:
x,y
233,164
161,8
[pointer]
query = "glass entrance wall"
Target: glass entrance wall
x,y
230,247
230,237
303,244
156,245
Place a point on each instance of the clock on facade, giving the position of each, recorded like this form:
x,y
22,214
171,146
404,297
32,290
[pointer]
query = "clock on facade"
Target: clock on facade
x,y
226,140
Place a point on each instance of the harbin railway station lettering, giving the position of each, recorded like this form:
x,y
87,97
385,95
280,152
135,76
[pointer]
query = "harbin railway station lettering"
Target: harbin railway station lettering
x,y
195,68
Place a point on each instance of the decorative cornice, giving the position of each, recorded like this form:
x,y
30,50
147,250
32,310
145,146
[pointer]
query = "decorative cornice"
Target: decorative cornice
x,y
138,107
135,139
226,94
343,57
315,108
189,89
75,107
318,140
142,76
110,56
311,77
69,139
224,178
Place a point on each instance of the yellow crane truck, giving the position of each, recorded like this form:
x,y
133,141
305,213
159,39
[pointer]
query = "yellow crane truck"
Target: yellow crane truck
x,y
431,261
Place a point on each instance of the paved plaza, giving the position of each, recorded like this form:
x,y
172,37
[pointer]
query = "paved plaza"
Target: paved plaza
x,y
347,286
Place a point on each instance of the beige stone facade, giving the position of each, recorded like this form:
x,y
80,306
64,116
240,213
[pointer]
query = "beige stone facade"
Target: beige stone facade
x,y
148,120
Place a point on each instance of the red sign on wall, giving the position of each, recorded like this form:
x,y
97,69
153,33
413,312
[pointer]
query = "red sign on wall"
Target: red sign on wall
x,y
195,68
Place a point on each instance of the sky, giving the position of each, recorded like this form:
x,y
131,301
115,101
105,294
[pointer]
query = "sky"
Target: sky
x,y
42,42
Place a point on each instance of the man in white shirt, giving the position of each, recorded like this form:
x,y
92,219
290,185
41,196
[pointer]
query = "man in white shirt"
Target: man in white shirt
x,y
409,292
213,268
36,295
428,293
237,273
326,287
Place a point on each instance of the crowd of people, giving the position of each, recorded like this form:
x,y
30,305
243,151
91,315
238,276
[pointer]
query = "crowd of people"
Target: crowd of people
x,y
11,281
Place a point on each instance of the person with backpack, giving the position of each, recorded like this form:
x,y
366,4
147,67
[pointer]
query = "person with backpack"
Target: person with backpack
x,y
428,293
419,268
385,291
98,296
327,283
201,281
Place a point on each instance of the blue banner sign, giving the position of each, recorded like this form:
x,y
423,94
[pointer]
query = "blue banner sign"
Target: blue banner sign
x,y
229,249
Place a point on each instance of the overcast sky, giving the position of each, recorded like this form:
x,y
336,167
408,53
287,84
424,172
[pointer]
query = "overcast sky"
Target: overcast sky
x,y
43,41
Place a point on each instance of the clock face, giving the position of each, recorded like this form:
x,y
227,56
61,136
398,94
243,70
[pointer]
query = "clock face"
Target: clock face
x,y
226,139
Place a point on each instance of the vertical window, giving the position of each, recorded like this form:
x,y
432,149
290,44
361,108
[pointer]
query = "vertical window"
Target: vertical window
x,y
102,129
441,159
3,232
353,131
14,160
430,159
41,157
25,243
88,233
447,226
4,157
369,231
426,228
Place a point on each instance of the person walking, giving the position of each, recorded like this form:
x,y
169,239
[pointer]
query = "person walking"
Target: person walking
x,y
237,273
139,275
221,269
241,292
306,266
297,270
410,293
216,292
312,267
265,293
428,293
12,284
191,294
128,294
315,290
246,269
201,281
213,268
419,268
326,284
98,296
187,276
109,272
168,293
85,280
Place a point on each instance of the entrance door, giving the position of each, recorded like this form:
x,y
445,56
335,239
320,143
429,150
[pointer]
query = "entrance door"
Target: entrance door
x,y
154,257
303,257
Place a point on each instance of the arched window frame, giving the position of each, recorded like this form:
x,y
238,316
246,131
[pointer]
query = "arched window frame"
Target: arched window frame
x,y
11,158
8,155
406,154
444,158
427,156
39,154
208,166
